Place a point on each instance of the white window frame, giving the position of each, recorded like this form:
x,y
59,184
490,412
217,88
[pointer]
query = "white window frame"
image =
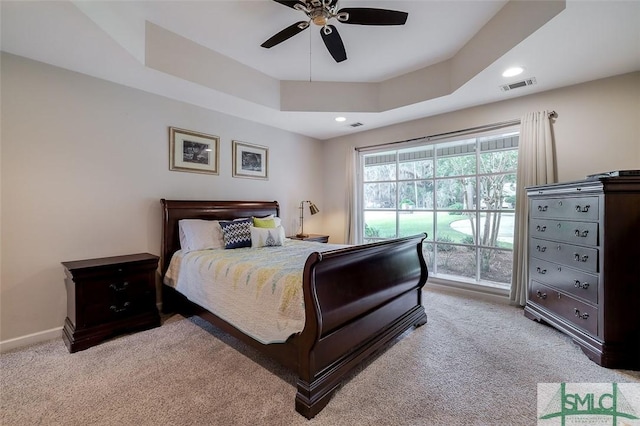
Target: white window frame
x,y
426,142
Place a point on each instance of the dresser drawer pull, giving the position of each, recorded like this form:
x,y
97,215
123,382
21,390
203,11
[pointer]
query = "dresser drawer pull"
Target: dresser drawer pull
x,y
541,228
579,315
542,208
114,308
582,209
541,271
541,295
116,287
582,234
579,258
578,284
541,249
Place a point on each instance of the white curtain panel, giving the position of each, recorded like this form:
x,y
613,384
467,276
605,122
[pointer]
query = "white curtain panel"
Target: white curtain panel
x,y
351,230
536,166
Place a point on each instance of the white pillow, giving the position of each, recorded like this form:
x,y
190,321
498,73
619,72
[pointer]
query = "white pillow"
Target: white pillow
x,y
199,234
267,237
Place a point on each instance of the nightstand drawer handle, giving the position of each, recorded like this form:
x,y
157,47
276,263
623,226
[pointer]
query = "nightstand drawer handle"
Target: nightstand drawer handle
x,y
541,271
116,287
579,258
541,228
541,249
582,234
542,208
578,284
579,315
114,308
541,295
582,209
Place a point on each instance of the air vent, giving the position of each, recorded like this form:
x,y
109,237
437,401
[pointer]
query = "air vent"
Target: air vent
x,y
518,84
358,124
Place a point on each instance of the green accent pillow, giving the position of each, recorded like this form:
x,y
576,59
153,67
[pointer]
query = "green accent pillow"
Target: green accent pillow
x,y
264,223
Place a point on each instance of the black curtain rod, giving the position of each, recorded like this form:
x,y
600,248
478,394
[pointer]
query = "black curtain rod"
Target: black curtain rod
x,y
463,132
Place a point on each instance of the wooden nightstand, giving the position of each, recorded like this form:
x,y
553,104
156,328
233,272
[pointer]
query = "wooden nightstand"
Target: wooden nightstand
x,y
109,296
312,237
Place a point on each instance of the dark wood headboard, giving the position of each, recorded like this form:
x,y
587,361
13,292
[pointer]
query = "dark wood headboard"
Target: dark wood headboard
x,y
175,210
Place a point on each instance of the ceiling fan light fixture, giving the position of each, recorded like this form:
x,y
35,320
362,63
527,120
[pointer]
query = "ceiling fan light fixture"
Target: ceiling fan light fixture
x,y
320,16
320,21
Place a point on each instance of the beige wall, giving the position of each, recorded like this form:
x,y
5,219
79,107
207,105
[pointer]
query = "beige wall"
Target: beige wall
x,y
84,165
597,129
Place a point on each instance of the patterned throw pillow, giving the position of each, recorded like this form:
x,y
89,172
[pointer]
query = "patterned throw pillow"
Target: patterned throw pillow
x,y
267,237
236,233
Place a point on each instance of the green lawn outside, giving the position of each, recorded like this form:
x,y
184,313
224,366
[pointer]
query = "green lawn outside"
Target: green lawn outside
x,y
415,222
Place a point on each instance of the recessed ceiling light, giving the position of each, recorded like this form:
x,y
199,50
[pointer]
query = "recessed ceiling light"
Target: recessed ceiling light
x,y
513,71
341,119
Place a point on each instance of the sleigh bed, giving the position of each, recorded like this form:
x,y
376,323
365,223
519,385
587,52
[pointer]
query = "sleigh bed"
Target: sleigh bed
x,y
357,299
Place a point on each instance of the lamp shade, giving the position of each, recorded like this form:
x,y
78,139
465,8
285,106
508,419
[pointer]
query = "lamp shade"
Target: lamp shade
x,y
313,208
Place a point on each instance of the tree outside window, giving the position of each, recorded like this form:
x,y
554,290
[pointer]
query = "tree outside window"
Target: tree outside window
x,y
461,193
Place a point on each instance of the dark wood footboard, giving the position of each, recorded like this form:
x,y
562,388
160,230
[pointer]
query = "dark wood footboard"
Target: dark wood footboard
x,y
357,300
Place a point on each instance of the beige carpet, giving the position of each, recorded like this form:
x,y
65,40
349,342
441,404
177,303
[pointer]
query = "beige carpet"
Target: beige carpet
x,y
474,362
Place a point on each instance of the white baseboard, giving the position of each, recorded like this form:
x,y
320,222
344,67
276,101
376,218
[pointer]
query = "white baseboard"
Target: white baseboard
x,y
29,339
41,336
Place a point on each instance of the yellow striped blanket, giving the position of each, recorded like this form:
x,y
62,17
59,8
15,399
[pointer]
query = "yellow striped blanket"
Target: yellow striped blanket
x,y
258,290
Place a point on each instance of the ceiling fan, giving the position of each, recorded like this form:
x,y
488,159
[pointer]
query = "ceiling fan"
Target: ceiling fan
x,y
320,12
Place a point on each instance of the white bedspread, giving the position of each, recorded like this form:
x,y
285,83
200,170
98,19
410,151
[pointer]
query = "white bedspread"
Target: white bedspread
x,y
258,290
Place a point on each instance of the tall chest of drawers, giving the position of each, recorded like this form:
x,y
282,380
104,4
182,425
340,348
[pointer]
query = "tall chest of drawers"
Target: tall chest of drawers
x,y
584,265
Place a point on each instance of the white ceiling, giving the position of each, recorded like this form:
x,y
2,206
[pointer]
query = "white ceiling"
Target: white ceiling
x,y
106,39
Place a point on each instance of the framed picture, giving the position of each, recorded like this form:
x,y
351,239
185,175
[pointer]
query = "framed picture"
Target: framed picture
x,y
250,161
193,151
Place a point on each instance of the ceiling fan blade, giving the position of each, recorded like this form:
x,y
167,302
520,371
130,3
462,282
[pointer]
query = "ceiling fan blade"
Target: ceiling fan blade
x,y
370,16
285,34
289,3
334,44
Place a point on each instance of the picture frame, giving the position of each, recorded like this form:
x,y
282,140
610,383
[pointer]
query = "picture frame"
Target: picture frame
x,y
250,161
193,152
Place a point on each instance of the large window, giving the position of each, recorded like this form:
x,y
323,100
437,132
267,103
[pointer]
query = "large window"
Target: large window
x,y
461,193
